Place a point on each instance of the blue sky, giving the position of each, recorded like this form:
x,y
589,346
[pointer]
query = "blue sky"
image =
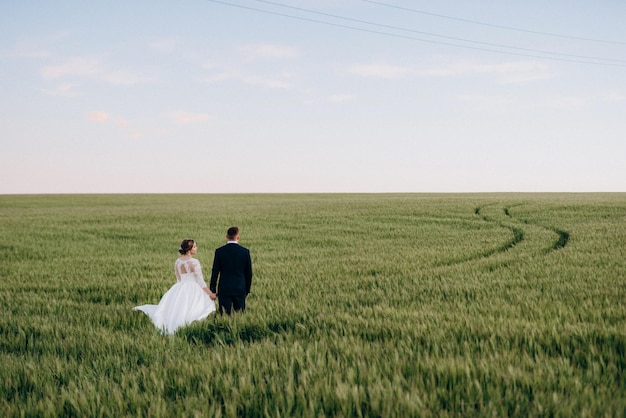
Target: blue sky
x,y
312,96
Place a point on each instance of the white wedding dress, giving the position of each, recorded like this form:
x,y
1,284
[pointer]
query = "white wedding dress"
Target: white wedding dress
x,y
184,302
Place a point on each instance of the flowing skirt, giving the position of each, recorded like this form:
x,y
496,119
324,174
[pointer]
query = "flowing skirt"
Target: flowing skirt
x,y
182,304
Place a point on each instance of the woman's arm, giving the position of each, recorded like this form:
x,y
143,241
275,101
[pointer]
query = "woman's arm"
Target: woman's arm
x,y
176,272
196,269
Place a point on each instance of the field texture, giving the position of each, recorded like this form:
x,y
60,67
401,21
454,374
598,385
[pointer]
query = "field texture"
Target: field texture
x,y
390,305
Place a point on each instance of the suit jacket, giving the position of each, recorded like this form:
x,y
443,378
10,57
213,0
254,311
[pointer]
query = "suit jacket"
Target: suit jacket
x,y
233,265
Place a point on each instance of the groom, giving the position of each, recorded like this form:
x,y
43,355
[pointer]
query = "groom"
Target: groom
x,y
233,265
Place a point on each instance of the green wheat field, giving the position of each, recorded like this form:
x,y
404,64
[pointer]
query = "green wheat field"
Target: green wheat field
x,y
373,305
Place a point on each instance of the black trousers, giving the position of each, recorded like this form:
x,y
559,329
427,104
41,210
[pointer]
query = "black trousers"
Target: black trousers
x,y
229,303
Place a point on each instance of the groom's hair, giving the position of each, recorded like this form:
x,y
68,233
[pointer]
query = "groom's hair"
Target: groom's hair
x,y
232,232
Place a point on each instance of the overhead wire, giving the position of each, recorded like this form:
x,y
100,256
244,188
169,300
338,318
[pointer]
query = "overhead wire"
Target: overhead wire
x,y
557,35
615,62
438,35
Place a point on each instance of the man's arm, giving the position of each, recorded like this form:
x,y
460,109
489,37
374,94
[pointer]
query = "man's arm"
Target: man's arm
x,y
248,273
215,271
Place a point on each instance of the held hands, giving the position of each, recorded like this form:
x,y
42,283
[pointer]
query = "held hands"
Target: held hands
x,y
212,295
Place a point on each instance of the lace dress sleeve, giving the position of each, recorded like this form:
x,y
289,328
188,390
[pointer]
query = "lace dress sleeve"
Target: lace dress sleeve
x,y
198,274
176,272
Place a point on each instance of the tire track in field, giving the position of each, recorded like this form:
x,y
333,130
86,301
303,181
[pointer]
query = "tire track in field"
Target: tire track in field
x,y
517,237
518,232
562,235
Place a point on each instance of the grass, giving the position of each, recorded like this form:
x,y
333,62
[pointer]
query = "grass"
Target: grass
x,y
362,305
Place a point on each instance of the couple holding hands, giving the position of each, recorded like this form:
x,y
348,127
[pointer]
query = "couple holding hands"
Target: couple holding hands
x,y
190,299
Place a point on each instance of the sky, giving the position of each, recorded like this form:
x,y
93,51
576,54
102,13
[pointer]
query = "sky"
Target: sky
x,y
302,96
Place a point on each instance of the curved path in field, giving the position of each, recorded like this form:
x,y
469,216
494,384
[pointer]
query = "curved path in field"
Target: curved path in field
x,y
563,236
539,237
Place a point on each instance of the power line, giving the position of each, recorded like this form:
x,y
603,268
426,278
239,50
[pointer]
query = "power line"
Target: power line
x,y
440,36
416,39
494,25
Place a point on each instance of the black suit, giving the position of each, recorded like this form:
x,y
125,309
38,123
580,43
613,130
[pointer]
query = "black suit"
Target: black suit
x,y
233,265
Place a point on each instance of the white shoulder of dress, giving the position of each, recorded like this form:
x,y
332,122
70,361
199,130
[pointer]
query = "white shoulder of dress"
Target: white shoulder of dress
x,y
181,260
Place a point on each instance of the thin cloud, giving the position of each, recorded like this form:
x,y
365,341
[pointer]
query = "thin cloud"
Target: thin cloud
x,y
489,103
266,50
615,96
507,72
517,72
166,45
122,125
499,104
135,135
37,47
254,80
73,67
237,67
564,103
63,90
339,98
265,82
188,117
379,71
91,68
98,116
27,50
124,78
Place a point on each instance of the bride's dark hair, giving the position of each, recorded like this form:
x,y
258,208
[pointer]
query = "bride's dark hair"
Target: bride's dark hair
x,y
185,246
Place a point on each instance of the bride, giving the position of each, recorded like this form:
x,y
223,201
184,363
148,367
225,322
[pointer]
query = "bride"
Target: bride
x,y
186,301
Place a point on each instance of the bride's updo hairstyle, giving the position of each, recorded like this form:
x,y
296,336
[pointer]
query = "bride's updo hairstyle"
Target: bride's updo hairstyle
x,y
186,246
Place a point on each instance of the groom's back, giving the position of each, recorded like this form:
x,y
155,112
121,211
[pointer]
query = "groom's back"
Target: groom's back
x,y
233,258
232,263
